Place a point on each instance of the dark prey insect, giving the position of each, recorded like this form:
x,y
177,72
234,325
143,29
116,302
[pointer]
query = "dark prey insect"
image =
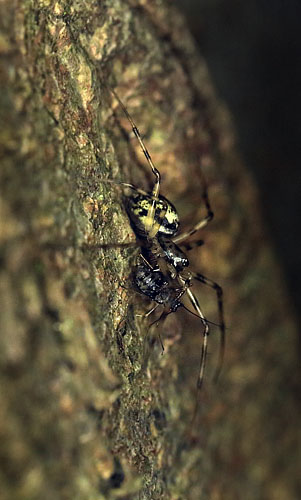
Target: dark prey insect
x,y
162,272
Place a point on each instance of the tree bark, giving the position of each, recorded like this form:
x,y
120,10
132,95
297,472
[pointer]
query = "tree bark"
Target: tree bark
x,y
88,409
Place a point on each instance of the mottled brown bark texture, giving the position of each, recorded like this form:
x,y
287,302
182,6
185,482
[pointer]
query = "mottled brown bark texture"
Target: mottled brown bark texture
x,y
90,408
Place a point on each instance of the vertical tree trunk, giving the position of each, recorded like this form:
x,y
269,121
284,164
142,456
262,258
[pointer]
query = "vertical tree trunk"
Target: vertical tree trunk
x,y
85,411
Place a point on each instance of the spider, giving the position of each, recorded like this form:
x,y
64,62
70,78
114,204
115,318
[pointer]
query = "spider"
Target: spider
x,y
162,272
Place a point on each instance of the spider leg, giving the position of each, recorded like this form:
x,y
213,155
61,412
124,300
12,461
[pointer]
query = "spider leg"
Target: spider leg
x,y
87,246
126,184
193,244
199,225
219,296
149,326
156,188
163,315
152,268
157,321
148,313
196,306
110,245
155,171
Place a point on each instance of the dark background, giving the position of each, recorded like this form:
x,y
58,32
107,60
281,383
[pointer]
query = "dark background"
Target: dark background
x,y
253,50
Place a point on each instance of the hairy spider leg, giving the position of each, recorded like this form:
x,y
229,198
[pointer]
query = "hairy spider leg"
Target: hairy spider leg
x,y
156,188
202,223
219,295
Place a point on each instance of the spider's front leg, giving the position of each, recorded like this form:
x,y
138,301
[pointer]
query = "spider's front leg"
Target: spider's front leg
x,y
156,188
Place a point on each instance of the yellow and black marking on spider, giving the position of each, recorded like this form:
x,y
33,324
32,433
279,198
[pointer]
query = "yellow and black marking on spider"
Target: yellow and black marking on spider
x,y
161,272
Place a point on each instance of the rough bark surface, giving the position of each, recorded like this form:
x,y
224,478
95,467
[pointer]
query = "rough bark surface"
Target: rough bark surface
x,y
87,410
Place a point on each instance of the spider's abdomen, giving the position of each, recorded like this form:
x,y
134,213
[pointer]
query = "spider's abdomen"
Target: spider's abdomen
x,y
165,217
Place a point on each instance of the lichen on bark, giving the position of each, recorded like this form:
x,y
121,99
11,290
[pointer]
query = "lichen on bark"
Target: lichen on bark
x,y
88,409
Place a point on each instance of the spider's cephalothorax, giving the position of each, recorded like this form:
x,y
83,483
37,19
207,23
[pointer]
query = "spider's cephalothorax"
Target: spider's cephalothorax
x,y
160,273
173,254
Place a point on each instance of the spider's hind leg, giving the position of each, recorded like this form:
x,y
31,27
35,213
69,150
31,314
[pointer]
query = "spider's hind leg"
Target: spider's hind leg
x,y
196,306
219,295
